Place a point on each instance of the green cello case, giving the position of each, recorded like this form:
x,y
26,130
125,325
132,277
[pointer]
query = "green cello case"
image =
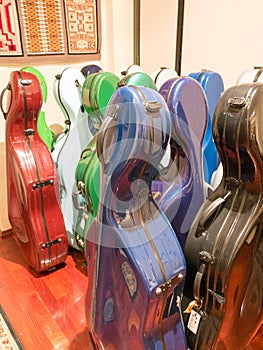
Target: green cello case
x,y
44,131
87,198
96,93
138,79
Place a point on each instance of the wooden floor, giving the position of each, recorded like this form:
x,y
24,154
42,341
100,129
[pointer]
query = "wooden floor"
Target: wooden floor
x,y
48,312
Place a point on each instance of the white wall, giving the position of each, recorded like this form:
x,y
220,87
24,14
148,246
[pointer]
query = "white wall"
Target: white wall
x,y
224,36
158,34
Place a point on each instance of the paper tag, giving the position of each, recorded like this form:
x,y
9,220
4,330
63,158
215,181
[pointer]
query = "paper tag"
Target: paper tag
x,y
82,223
194,321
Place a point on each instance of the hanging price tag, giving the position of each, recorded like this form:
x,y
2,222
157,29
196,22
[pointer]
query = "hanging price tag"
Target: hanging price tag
x,y
193,321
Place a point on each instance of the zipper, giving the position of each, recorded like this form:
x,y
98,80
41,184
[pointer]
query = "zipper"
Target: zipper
x,y
165,283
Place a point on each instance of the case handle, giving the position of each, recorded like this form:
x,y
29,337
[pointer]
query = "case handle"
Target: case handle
x,y
208,212
8,87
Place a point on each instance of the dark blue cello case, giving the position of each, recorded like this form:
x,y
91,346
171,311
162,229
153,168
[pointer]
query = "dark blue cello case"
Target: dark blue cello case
x,y
225,244
136,267
182,190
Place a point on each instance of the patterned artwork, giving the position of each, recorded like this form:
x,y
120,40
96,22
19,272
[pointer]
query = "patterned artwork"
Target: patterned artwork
x,y
10,37
39,29
43,25
81,26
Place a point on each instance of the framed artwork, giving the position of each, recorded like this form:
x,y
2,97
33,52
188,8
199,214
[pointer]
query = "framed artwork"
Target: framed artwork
x,y
37,30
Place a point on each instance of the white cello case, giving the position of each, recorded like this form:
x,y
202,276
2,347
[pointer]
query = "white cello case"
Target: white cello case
x,y
251,75
161,75
67,150
132,68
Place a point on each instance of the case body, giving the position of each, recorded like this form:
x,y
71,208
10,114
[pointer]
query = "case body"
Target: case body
x,y
213,86
224,246
135,262
32,184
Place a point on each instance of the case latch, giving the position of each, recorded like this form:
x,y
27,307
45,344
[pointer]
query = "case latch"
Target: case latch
x,y
237,102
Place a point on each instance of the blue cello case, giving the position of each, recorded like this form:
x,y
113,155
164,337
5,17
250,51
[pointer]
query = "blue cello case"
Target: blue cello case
x,y
213,86
136,266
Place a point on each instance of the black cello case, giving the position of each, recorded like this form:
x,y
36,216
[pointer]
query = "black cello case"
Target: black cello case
x,y
224,248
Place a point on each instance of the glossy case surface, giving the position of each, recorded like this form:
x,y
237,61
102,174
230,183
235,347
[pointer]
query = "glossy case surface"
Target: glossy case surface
x,y
44,131
96,93
182,190
66,154
135,263
213,86
161,75
251,75
32,183
224,246
90,69
87,197
138,79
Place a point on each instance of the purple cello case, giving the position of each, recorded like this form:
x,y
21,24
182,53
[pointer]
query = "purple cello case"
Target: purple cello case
x,y
135,263
181,191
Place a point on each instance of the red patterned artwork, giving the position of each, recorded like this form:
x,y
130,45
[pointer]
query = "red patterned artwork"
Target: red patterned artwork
x,y
10,37
81,22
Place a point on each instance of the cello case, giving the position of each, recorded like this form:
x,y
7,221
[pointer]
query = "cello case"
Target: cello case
x,y
251,75
96,93
32,184
135,263
87,198
66,154
248,76
138,79
225,244
132,68
161,75
44,131
213,86
182,191
90,69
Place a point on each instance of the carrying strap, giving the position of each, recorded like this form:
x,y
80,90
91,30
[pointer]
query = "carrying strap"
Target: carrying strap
x,y
7,88
57,136
203,71
125,72
93,80
81,183
259,72
160,71
208,212
67,121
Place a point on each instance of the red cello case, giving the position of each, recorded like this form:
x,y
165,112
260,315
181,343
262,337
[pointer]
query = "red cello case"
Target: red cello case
x,y
32,184
225,244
